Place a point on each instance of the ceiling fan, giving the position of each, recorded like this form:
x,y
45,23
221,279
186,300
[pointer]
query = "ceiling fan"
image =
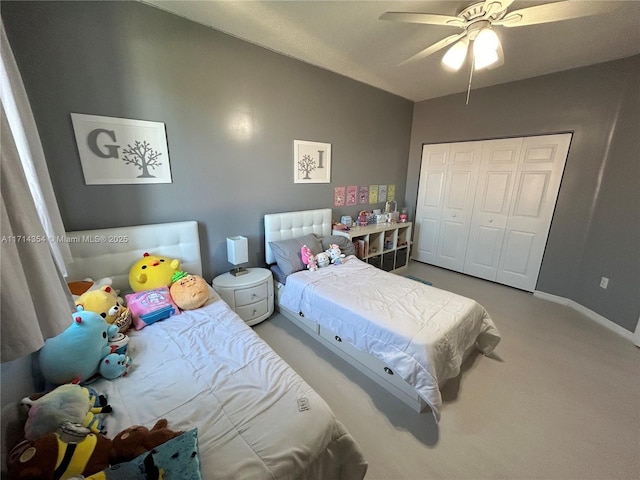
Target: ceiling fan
x,y
477,21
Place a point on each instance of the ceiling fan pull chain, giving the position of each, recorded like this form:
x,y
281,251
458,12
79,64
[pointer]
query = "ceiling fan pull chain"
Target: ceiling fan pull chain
x,y
473,61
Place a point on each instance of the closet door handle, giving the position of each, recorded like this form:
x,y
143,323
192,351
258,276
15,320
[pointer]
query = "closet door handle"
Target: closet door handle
x,y
388,370
338,339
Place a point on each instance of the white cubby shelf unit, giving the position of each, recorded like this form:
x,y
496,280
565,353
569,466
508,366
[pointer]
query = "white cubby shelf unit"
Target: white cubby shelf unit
x,y
384,245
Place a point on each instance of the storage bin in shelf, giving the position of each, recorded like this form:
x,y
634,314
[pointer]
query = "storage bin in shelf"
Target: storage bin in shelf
x,y
380,244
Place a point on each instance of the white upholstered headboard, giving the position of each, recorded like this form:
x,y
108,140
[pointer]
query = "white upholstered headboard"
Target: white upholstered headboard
x,y
282,226
110,252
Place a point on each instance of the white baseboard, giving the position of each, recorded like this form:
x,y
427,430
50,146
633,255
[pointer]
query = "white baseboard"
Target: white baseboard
x,y
605,322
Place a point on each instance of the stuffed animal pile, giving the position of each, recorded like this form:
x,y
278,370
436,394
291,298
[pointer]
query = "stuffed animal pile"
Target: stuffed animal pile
x,y
332,256
59,442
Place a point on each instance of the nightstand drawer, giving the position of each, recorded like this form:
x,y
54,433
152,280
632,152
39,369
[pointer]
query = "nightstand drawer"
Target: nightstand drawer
x,y
254,310
245,296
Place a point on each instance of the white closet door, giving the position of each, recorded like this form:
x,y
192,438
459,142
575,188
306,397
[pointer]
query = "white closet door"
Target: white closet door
x,y
430,199
457,205
485,208
533,200
491,207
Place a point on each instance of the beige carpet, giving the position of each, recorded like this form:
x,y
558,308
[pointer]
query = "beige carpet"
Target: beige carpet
x,y
560,399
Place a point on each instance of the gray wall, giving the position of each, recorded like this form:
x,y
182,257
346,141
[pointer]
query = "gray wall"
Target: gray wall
x,y
129,60
596,226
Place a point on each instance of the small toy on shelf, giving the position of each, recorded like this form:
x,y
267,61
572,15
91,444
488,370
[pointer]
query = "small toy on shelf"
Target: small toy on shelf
x,y
362,218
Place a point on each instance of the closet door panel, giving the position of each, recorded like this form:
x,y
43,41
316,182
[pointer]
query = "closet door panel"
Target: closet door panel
x,y
430,201
457,211
535,193
491,207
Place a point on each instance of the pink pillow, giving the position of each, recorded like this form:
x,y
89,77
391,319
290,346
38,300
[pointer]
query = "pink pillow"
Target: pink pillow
x,y
150,306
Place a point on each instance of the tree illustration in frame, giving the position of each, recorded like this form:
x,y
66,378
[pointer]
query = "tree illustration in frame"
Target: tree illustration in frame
x,y
121,150
142,156
311,162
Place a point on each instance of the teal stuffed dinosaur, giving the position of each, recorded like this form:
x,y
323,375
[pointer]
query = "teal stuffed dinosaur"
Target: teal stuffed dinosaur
x,y
75,354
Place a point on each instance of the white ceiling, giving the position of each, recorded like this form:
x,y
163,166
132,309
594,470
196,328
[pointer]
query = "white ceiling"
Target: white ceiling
x,y
348,38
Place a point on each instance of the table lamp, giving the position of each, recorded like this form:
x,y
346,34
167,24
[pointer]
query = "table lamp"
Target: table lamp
x,y
237,253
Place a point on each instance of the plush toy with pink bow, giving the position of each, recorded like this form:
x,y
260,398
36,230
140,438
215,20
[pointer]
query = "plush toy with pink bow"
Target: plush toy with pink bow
x,y
308,258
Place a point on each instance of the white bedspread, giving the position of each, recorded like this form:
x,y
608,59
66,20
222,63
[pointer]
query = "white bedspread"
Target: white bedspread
x,y
206,368
421,332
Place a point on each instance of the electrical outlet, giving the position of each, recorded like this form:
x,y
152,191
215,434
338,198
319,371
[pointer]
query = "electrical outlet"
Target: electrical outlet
x,y
604,282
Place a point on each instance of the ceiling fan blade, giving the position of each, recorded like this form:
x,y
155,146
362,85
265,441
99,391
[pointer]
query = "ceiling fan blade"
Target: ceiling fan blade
x,y
424,18
496,6
554,12
434,48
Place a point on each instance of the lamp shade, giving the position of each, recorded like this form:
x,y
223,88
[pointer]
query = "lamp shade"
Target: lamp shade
x,y
237,250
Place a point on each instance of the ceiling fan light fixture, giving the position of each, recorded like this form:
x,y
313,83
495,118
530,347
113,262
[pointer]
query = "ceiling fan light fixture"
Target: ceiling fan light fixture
x,y
485,48
485,59
486,40
455,56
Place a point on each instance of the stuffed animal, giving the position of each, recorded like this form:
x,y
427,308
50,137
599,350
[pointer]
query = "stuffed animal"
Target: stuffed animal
x,y
114,365
105,303
78,287
73,452
136,440
308,258
66,404
75,354
335,254
59,455
152,271
189,291
323,259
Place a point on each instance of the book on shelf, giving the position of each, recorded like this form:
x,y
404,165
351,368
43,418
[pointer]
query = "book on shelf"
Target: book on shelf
x,y
362,249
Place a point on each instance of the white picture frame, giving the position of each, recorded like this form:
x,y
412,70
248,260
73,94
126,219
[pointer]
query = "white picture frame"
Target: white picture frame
x,y
121,151
311,162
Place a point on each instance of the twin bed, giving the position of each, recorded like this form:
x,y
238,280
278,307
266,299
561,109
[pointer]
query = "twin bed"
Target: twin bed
x,y
205,368
255,416
407,336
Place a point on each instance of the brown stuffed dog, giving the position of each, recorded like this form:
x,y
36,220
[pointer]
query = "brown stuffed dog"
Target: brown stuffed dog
x,y
134,441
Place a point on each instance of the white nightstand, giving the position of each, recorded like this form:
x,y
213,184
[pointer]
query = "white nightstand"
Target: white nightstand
x,y
249,295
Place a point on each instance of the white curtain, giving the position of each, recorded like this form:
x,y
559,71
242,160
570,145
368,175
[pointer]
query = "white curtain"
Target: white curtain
x,y
35,301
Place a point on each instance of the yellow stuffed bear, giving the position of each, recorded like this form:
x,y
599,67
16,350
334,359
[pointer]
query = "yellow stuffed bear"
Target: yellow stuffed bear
x,y
106,303
152,271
